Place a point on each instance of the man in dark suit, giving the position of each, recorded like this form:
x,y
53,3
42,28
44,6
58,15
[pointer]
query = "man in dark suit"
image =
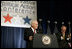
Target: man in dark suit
x,y
29,33
62,37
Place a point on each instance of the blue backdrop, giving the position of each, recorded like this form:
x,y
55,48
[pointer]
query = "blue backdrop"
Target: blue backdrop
x,y
12,37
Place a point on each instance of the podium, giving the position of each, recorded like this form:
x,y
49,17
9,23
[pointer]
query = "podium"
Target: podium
x,y
45,41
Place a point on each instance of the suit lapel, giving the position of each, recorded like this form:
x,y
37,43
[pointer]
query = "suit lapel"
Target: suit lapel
x,y
31,30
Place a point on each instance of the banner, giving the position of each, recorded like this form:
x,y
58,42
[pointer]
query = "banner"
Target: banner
x,y
18,13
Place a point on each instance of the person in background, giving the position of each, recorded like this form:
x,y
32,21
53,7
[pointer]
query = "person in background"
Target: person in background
x,y
69,40
62,37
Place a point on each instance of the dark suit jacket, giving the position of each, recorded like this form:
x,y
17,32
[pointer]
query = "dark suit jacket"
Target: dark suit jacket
x,y
28,32
62,43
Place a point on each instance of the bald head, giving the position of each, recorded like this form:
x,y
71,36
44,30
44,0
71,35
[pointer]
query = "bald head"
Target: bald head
x,y
34,24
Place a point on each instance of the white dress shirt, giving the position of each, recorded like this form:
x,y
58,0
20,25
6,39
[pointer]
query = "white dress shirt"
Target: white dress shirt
x,y
33,30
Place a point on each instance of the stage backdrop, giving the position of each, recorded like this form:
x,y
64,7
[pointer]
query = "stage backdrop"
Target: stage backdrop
x,y
15,17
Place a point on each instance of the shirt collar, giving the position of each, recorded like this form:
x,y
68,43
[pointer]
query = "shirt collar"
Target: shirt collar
x,y
33,29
